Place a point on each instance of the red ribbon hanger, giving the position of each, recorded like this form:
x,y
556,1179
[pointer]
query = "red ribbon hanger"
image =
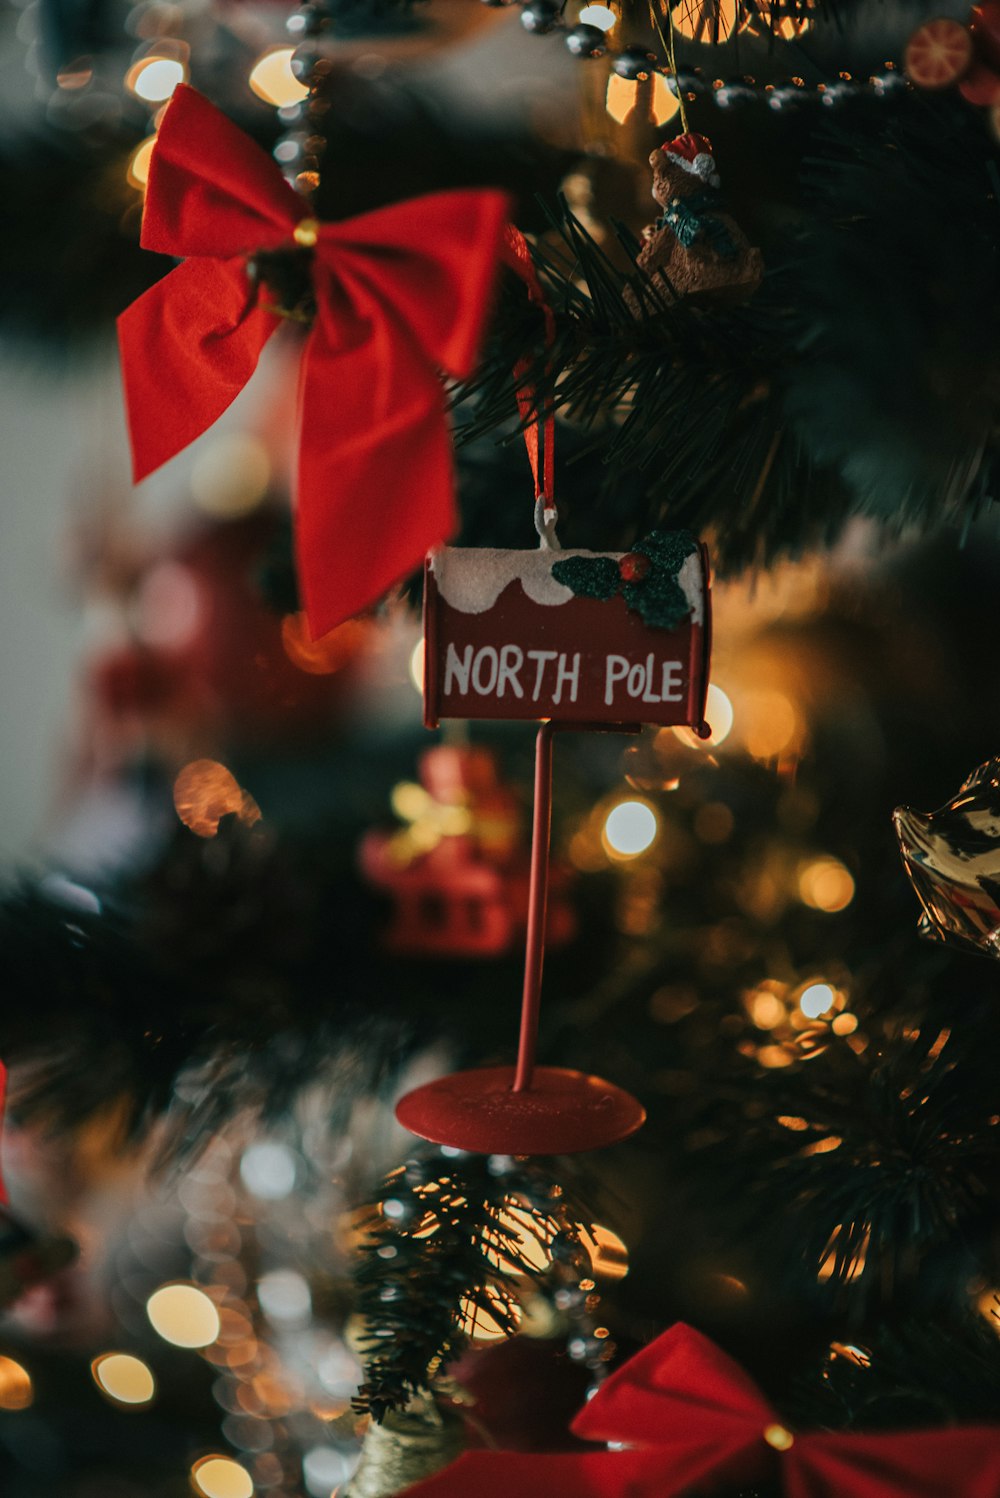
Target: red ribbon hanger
x,y
684,1419
517,256
402,293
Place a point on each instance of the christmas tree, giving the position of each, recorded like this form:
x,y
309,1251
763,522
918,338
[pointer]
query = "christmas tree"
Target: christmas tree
x,y
493,1009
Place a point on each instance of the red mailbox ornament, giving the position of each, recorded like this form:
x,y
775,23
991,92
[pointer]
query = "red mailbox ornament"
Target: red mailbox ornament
x,y
573,636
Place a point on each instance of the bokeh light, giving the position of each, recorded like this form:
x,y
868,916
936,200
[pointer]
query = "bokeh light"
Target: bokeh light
x,y
769,723
221,1477
825,884
269,1170
124,1378
707,21
231,475
16,1390
480,1325
168,606
205,792
326,654
852,1266
153,79
817,999
324,1468
284,1296
630,828
718,714
623,95
417,666
608,1254
273,81
183,1315
530,1235
138,164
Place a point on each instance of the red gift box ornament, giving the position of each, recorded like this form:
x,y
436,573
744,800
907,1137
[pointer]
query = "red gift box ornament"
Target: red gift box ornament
x,y
401,293
681,1417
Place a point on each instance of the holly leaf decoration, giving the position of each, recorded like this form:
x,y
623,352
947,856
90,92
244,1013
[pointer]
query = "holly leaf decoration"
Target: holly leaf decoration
x,y
646,577
589,577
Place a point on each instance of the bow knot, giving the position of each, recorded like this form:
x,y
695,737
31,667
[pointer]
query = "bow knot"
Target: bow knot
x,y
395,296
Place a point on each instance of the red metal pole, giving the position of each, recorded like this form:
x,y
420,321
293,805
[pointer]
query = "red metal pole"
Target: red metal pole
x,y
538,896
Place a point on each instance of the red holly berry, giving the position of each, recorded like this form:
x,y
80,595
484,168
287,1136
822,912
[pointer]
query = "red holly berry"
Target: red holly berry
x,y
633,567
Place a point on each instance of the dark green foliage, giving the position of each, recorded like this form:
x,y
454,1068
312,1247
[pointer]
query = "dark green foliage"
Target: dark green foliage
x,y
69,228
862,378
437,1237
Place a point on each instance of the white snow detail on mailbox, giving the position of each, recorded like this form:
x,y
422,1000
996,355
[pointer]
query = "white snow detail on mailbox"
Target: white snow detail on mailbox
x,y
471,579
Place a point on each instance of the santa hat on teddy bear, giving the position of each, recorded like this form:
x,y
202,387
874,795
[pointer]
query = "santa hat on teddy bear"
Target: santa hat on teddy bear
x,y
693,153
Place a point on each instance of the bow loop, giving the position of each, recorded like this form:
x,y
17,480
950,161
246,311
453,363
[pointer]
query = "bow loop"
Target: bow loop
x,y
418,265
401,293
212,190
680,1387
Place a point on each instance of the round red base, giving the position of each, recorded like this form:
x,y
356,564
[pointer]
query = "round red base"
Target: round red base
x,y
562,1112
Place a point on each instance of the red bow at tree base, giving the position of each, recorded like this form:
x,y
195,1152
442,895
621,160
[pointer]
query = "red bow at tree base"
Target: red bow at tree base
x,y
684,1419
402,293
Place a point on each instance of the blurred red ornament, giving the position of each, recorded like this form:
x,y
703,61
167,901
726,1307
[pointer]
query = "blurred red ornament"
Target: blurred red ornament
x,y
944,52
458,870
209,666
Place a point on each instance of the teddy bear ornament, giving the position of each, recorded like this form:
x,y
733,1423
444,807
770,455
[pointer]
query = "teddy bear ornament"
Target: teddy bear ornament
x,y
695,244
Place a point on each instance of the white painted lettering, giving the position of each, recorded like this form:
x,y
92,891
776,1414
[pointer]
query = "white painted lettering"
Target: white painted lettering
x,y
616,669
489,655
649,693
570,677
511,661
672,679
636,680
542,658
457,670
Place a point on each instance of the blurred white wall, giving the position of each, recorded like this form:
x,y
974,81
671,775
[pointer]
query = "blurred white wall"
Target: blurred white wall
x,y
61,439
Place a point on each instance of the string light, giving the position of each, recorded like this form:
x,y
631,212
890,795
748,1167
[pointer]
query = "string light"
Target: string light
x,y
16,1389
124,1378
817,999
154,79
825,884
480,1325
608,1254
272,79
630,828
268,1170
183,1315
137,171
624,95
221,1477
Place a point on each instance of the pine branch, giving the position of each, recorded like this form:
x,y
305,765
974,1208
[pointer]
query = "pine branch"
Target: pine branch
x,y
445,1242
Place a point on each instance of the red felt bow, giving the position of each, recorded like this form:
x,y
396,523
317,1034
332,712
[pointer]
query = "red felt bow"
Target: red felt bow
x,y
685,1418
401,293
